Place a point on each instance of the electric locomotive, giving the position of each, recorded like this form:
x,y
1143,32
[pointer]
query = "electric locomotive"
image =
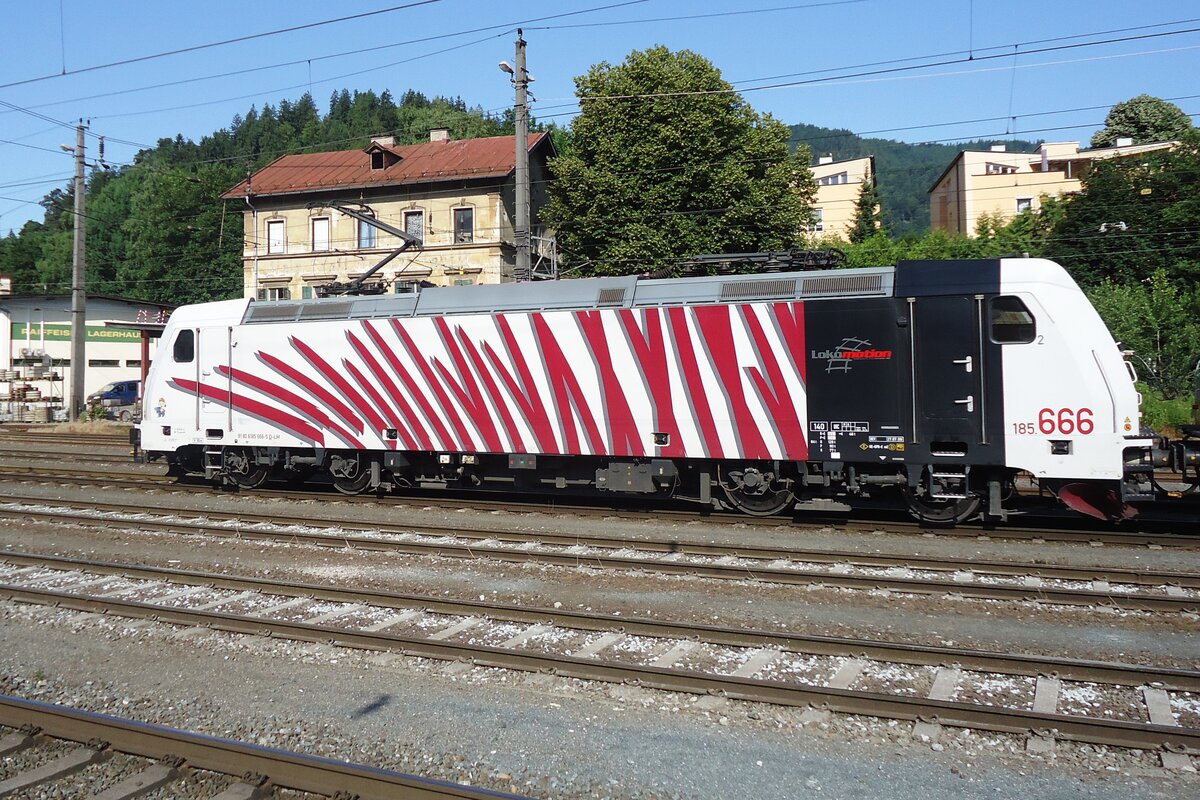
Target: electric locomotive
x,y
936,382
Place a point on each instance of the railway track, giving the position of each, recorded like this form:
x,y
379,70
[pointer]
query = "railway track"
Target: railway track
x,y
10,438
1121,705
1135,590
84,476
85,457
161,757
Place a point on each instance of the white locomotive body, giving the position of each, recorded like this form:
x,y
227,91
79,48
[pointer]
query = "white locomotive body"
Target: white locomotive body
x,y
940,380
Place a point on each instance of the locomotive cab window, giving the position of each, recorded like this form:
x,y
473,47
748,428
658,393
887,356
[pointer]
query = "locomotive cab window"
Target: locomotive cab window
x,y
184,349
1012,322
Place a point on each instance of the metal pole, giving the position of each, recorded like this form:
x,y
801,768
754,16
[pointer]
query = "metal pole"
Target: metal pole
x,y
78,299
521,226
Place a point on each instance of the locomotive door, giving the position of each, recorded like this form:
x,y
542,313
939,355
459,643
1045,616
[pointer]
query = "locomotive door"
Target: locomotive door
x,y
948,373
214,349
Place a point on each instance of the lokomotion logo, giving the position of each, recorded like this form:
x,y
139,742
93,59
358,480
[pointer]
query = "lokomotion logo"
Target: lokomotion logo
x,y
849,351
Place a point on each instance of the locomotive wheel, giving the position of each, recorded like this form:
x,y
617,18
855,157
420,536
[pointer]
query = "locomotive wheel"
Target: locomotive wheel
x,y
942,512
351,472
750,492
760,505
240,467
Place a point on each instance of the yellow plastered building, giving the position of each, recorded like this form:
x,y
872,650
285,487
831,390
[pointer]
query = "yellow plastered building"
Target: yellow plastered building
x,y
456,197
1003,184
839,184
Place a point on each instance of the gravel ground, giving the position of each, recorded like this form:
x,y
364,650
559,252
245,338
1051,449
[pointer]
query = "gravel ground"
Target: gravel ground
x,y
554,737
533,734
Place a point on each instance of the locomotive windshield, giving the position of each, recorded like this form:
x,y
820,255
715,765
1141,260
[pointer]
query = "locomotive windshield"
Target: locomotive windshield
x,y
1012,323
185,346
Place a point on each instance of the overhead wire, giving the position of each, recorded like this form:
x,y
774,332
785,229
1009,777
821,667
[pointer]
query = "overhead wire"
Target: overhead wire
x,y
506,27
223,42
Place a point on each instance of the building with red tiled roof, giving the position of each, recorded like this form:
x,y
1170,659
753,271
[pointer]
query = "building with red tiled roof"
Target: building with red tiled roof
x,y
457,197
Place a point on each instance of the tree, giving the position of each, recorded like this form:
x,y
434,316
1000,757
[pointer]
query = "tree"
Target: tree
x,y
666,161
1160,322
868,219
1143,119
1134,216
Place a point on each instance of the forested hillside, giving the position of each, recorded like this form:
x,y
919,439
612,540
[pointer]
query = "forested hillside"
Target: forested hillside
x,y
906,171
157,229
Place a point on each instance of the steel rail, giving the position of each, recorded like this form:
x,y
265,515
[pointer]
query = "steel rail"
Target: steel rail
x,y
923,655
764,573
283,769
30,455
800,521
1140,577
1117,733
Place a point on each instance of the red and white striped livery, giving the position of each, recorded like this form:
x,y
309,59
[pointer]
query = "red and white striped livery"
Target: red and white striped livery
x,y
754,391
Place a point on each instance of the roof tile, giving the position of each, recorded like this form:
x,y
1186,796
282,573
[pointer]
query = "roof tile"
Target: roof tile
x,y
492,157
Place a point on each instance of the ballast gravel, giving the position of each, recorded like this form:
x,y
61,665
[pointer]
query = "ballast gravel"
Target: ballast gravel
x,y
551,737
532,734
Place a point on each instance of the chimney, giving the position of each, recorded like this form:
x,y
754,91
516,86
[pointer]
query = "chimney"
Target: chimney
x,y
1124,141
998,148
386,141
439,134
826,159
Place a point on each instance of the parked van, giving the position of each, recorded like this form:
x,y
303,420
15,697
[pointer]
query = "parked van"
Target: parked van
x,y
115,396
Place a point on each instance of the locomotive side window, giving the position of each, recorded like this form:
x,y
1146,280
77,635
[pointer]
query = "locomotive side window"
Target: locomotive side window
x,y
185,346
1012,322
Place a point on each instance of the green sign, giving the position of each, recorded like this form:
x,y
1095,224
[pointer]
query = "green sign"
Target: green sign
x,y
22,331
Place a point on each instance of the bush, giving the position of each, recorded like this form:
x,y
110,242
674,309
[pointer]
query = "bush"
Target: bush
x,y
1160,413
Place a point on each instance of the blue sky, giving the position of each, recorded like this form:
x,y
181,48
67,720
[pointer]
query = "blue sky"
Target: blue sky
x,y
943,70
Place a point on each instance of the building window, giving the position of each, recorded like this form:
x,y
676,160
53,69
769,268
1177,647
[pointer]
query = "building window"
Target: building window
x,y
464,282
104,362
275,293
366,236
320,234
306,293
464,225
999,169
407,287
184,349
276,237
818,220
414,225
1024,204
377,161
835,180
133,362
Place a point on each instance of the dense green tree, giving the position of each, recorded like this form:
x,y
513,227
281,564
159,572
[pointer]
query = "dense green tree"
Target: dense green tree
x,y
1134,216
19,254
1143,119
1160,322
666,161
868,218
